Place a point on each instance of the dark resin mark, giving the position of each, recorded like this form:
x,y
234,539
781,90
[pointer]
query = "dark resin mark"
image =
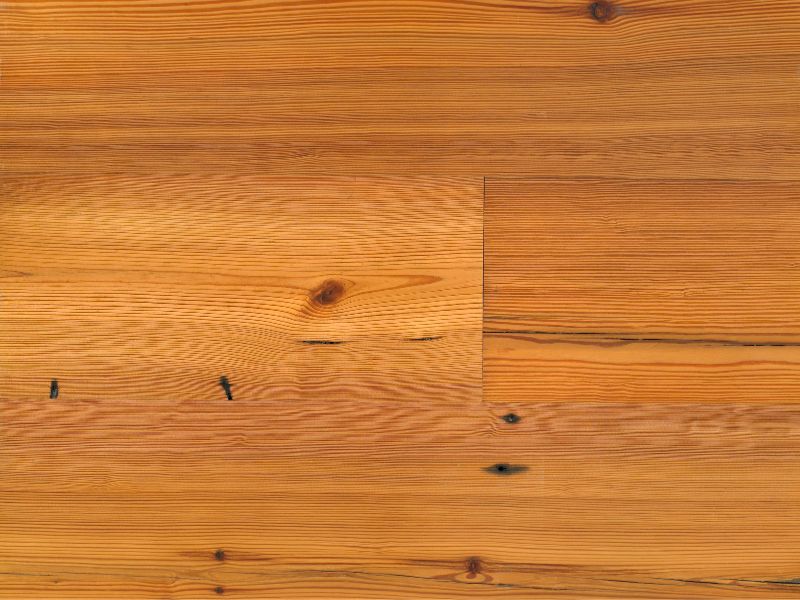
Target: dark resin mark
x,y
322,342
601,11
511,418
619,337
506,469
425,339
53,389
219,555
327,293
219,589
473,564
226,386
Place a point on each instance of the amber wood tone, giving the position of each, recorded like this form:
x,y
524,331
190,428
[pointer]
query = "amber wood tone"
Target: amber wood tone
x,y
148,289
399,300
645,335
628,260
635,88
345,315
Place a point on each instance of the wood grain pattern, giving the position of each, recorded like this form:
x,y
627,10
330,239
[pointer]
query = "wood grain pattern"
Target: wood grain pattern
x,y
241,304
150,288
687,88
594,368
345,313
638,259
630,500
645,336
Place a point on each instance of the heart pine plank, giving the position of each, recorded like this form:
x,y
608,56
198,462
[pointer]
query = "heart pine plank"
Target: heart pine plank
x,y
618,500
644,260
647,333
345,314
149,289
370,300
595,368
636,88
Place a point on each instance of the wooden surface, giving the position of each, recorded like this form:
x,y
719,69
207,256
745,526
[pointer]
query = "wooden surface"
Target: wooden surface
x,y
646,334
717,260
149,288
371,300
646,88
345,312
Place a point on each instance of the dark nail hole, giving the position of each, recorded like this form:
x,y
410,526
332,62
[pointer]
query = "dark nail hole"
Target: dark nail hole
x,y
219,554
505,469
219,589
511,418
53,388
226,386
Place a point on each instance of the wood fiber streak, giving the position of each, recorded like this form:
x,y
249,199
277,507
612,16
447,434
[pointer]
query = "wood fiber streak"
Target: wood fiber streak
x,y
686,89
569,367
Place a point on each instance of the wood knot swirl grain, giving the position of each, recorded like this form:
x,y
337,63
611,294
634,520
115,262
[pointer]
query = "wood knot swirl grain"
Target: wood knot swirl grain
x,y
474,571
327,293
602,11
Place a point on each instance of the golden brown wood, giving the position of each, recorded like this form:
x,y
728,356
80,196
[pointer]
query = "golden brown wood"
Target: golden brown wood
x,y
626,260
150,288
654,88
645,336
345,314
623,500
288,195
596,368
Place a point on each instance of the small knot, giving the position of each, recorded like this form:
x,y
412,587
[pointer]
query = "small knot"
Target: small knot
x,y
53,389
473,565
219,590
219,555
511,418
601,11
327,293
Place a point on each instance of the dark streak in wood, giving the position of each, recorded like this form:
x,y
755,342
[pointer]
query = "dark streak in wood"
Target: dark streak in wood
x,y
322,342
506,469
425,339
795,581
621,339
